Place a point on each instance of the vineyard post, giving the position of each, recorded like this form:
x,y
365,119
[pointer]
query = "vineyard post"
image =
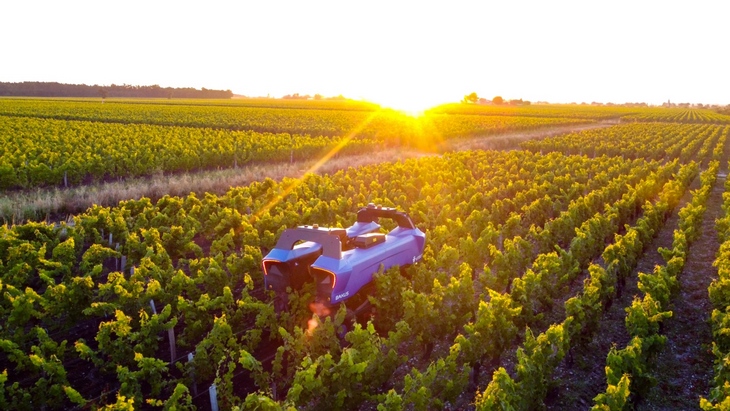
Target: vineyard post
x,y
170,335
123,263
291,153
171,338
192,375
118,265
65,179
213,398
110,239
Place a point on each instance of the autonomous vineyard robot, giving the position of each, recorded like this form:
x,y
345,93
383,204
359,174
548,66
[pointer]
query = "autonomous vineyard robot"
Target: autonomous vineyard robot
x,y
341,262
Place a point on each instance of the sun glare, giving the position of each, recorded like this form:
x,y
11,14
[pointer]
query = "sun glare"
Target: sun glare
x,y
410,105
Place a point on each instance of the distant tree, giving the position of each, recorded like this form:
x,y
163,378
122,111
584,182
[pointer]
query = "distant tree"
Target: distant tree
x,y
470,98
296,96
498,100
318,96
42,89
340,97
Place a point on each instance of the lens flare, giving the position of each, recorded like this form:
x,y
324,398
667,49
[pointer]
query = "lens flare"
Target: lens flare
x,y
320,311
342,143
312,325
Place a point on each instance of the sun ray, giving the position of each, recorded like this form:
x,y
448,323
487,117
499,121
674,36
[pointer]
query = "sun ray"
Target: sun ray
x,y
319,163
428,136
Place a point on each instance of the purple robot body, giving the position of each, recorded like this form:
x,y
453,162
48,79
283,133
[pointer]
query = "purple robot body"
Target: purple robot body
x,y
341,262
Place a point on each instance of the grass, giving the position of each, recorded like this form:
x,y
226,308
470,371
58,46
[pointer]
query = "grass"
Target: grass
x,y
57,203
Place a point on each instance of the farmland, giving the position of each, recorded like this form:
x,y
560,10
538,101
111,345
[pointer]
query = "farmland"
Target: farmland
x,y
52,143
561,261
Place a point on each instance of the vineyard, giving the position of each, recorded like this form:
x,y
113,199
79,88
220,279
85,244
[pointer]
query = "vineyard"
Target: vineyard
x,y
560,263
66,143
680,116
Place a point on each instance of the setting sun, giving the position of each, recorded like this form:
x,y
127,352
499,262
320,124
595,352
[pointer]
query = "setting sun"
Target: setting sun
x,y
410,105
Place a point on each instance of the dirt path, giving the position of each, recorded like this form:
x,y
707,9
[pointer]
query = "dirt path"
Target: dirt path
x,y
54,204
511,140
578,383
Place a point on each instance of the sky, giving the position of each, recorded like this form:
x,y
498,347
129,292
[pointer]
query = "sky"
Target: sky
x,y
405,54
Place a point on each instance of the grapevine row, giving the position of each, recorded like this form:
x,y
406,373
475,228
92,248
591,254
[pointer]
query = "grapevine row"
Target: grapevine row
x,y
58,277
678,116
652,141
540,355
446,307
497,322
39,152
627,369
197,260
719,293
50,152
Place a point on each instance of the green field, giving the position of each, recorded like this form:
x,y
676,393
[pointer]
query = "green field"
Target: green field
x,y
560,274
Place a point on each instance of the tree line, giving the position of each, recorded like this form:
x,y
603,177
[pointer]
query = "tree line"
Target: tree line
x,y
52,89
